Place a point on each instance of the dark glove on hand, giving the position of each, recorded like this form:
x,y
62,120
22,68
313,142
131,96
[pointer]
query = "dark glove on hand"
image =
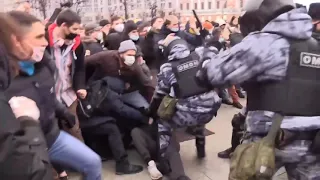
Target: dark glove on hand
x,y
69,120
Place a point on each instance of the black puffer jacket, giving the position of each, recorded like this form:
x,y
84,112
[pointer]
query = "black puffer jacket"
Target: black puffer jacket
x,y
91,46
23,152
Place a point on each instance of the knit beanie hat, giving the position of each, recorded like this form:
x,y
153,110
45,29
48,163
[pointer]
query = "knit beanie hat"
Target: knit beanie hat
x,y
126,46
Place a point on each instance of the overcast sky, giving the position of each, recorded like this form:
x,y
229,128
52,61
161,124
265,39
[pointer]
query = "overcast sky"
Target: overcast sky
x,y
306,2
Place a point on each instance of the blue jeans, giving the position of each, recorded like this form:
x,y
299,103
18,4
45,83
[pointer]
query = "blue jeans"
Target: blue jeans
x,y
135,99
69,152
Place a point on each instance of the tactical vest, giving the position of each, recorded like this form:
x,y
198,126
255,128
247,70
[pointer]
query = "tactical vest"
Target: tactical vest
x,y
298,93
185,73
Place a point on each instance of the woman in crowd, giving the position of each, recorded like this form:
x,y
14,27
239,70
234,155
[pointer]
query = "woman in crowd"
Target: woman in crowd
x,y
23,152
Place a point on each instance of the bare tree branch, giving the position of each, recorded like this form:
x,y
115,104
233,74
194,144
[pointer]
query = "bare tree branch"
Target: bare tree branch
x,y
76,4
41,6
152,5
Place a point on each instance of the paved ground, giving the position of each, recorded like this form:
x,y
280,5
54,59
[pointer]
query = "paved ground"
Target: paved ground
x,y
211,168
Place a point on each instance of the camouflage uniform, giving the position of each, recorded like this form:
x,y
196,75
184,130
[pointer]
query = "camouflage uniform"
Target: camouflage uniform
x,y
263,56
193,111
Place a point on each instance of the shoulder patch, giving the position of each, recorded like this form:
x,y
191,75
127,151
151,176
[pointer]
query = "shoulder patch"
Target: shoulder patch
x,y
310,60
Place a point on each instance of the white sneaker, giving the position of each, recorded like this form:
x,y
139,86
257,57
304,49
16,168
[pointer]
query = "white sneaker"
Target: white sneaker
x,y
153,171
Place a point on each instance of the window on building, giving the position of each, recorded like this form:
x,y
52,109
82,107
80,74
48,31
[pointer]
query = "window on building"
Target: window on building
x,y
95,1
132,7
188,6
225,5
209,5
195,5
170,5
121,8
241,3
162,5
202,5
218,4
115,1
181,6
132,15
109,2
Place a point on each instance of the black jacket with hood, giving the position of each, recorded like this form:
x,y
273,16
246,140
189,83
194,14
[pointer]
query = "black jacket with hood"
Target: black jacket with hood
x,y
23,152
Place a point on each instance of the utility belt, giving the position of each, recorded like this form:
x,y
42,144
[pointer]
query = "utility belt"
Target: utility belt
x,y
286,137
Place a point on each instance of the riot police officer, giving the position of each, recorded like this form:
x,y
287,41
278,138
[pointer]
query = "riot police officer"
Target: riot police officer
x,y
279,62
179,100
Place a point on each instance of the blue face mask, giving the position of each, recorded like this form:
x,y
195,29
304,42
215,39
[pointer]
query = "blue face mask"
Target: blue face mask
x,y
134,37
27,67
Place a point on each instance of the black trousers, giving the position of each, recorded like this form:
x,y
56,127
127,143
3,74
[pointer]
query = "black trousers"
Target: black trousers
x,y
147,148
110,131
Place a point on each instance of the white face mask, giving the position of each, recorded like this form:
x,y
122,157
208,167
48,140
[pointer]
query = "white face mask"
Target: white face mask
x,y
119,27
99,36
129,60
38,53
133,37
174,29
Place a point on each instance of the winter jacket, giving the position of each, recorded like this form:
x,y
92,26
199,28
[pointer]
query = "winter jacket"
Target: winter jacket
x,y
263,56
40,88
91,45
113,41
77,67
23,152
109,63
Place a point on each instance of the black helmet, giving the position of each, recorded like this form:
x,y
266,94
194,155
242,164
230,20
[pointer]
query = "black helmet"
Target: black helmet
x,y
258,13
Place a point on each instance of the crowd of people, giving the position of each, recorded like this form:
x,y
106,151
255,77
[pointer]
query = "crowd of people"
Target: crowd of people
x,y
74,95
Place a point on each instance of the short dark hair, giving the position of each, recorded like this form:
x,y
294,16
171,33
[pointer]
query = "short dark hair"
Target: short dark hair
x,y
114,18
104,22
314,11
23,18
69,17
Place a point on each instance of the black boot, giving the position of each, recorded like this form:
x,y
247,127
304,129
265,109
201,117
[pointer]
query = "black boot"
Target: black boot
x,y
201,147
237,105
225,154
226,101
127,168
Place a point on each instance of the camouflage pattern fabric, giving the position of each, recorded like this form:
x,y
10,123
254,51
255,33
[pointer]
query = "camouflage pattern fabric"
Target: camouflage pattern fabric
x,y
193,111
297,159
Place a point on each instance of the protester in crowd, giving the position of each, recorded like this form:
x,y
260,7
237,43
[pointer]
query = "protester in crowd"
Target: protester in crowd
x,y
36,81
93,35
145,141
105,26
122,66
20,126
68,53
114,37
131,33
144,28
147,47
171,28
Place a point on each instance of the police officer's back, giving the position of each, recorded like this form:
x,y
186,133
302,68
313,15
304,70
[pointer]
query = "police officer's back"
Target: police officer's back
x,y
279,62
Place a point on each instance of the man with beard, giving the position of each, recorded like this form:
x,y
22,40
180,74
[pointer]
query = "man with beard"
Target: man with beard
x,y
68,53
